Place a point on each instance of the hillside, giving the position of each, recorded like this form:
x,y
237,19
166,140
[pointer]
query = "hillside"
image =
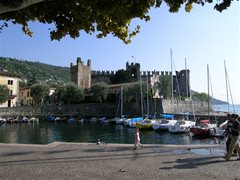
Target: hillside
x,y
213,100
36,71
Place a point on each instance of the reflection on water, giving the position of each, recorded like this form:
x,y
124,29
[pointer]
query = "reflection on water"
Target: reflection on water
x,y
44,133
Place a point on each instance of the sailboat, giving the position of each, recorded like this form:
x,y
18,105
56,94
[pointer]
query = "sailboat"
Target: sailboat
x,y
219,130
168,120
133,121
202,128
121,119
148,121
184,125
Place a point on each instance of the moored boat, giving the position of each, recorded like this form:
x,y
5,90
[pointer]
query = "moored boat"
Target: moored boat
x,y
181,126
146,124
164,124
202,128
218,130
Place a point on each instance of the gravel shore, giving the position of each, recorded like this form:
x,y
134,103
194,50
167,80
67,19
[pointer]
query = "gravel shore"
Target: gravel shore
x,y
116,161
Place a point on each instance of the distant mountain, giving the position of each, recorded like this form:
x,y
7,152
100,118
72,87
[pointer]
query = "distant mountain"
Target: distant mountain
x,y
36,71
214,100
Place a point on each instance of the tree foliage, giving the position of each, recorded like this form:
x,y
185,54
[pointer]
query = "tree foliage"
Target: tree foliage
x,y
203,97
101,16
39,92
3,93
165,86
36,72
72,94
121,76
100,91
133,92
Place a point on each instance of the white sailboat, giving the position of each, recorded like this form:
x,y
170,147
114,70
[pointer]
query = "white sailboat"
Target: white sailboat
x,y
166,123
121,119
182,126
219,130
203,128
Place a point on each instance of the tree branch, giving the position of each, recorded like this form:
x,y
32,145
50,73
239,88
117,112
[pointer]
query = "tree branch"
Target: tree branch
x,y
15,5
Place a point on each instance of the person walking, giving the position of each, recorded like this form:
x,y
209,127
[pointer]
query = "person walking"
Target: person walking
x,y
234,135
137,139
227,132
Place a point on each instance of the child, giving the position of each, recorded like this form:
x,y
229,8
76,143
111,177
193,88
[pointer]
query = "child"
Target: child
x,y
137,139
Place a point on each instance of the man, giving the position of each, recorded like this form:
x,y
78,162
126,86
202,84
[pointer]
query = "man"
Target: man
x,y
234,135
227,132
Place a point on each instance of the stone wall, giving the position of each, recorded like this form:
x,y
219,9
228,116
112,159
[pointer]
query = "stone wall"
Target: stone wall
x,y
132,109
185,106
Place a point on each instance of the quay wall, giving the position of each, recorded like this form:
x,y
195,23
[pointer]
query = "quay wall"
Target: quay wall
x,y
131,109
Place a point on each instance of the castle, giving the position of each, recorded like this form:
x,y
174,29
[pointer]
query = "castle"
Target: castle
x,y
85,77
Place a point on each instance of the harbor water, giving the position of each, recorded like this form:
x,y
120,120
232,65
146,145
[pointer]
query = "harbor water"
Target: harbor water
x,y
45,133
229,108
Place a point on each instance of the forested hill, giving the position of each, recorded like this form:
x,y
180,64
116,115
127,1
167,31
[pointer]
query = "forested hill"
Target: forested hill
x,y
36,71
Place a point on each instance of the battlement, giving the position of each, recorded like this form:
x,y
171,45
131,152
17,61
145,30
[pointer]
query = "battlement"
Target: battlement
x,y
153,73
79,62
103,73
132,65
143,73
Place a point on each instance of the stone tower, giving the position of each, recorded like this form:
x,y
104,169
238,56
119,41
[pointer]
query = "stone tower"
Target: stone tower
x,y
183,79
81,74
135,70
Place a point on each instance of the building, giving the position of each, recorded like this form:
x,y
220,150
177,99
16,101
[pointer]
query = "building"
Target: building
x,y
81,74
84,77
115,88
11,80
25,98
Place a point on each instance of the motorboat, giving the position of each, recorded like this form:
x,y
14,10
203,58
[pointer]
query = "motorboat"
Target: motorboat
x,y
164,124
202,128
181,126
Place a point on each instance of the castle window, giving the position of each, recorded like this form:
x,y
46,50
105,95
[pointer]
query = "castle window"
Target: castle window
x,y
28,94
10,82
10,92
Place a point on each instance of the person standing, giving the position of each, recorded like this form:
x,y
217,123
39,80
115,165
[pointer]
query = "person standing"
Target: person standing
x,y
137,139
234,135
227,132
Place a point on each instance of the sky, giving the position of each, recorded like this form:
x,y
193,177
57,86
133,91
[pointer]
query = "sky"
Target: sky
x,y
200,38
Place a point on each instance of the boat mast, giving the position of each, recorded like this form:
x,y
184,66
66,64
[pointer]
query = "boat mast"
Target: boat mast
x,y
171,78
147,97
226,82
190,96
186,77
228,86
141,93
208,93
121,101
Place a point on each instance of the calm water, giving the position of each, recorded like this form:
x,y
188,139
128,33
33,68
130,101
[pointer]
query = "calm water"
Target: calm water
x,y
44,133
227,108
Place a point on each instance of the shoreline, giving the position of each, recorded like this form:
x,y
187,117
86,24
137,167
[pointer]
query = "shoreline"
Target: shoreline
x,y
58,143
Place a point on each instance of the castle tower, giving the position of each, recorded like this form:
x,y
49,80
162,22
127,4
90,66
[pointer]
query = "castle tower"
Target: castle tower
x,y
182,78
135,70
81,74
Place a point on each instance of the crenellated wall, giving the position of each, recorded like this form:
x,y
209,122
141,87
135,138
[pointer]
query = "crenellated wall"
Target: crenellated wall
x,y
83,76
143,73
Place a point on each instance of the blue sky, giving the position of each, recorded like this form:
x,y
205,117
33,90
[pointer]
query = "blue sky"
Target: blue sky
x,y
203,37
